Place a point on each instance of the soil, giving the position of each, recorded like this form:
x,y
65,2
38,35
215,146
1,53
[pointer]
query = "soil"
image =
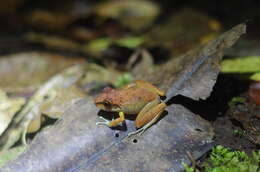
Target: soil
x,y
215,110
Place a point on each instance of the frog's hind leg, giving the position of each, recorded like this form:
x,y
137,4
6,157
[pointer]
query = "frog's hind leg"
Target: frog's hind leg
x,y
147,117
114,122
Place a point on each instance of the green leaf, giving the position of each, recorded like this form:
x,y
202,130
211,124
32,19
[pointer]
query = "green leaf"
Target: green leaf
x,y
99,44
255,76
249,64
130,42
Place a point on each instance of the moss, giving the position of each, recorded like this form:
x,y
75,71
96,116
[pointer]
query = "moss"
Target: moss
x,y
10,154
222,159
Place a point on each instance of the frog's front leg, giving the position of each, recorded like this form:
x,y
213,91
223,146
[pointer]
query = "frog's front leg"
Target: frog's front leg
x,y
114,122
148,116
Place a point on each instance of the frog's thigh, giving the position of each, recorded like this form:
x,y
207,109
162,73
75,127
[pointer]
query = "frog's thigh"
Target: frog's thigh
x,y
35,124
149,112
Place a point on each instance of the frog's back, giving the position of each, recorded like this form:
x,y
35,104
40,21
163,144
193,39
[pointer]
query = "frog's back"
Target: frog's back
x,y
133,100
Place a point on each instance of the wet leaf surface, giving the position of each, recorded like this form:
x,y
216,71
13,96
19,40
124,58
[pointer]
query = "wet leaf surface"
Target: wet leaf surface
x,y
84,146
75,143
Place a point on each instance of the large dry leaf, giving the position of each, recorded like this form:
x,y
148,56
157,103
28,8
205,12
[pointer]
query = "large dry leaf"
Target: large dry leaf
x,y
65,97
194,73
23,72
47,92
75,143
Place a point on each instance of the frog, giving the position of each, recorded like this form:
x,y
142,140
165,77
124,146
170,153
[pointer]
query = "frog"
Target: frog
x,y
139,97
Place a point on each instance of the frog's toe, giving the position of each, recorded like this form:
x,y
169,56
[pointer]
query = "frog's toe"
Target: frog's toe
x,y
139,132
104,122
104,119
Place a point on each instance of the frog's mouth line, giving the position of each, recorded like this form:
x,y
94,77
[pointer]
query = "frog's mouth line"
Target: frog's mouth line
x,y
108,107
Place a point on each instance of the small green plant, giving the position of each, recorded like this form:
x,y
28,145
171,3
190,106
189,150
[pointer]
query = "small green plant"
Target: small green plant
x,y
224,160
123,80
248,64
238,133
188,168
236,100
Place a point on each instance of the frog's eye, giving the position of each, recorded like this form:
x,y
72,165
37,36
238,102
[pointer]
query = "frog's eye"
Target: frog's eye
x,y
107,104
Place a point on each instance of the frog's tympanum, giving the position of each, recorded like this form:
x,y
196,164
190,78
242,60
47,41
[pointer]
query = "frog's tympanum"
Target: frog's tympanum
x,y
140,98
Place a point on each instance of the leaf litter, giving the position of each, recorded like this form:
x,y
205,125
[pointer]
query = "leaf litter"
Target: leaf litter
x,y
86,147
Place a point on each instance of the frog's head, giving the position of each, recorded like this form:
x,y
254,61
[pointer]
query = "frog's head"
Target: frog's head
x,y
105,101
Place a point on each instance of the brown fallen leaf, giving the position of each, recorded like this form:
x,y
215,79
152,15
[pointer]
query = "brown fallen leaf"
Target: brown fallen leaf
x,y
244,113
183,30
8,108
84,146
134,14
47,92
56,107
25,72
194,74
254,93
58,19
97,73
49,20
247,113
53,42
10,7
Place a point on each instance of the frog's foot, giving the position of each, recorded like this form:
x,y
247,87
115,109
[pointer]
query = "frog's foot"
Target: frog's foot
x,y
139,132
114,122
104,122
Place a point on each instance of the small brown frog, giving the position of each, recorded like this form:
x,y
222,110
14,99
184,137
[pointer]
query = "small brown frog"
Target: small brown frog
x,y
140,98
